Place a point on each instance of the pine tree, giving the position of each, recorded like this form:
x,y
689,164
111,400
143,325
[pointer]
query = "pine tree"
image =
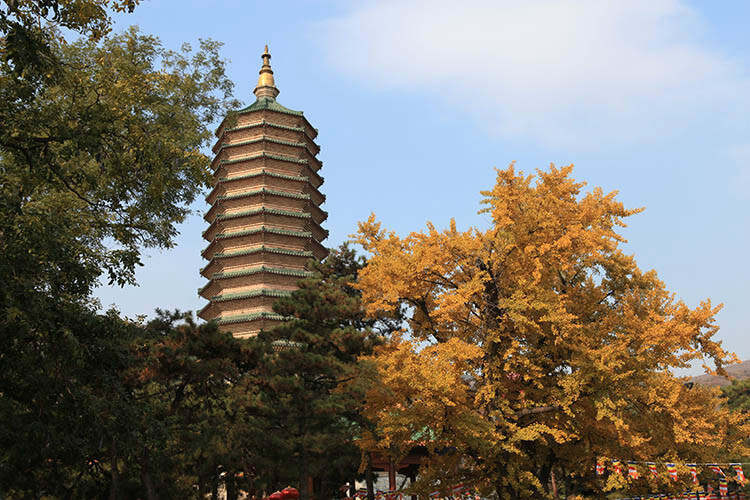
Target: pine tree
x,y
309,423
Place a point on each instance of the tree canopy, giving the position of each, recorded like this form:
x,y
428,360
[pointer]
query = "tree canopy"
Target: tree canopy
x,y
111,150
31,29
552,347
98,160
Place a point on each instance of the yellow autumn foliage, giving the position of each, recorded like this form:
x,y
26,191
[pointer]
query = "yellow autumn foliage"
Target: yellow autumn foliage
x,y
536,346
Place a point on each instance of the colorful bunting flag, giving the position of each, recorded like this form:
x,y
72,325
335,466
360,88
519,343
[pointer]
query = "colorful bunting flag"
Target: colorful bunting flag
x,y
632,471
617,466
693,468
723,487
672,471
717,470
652,469
740,475
599,468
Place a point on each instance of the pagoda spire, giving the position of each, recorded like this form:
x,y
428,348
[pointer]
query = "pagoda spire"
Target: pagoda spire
x,y
266,86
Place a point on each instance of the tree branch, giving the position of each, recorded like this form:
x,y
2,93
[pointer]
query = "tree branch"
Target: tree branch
x,y
537,410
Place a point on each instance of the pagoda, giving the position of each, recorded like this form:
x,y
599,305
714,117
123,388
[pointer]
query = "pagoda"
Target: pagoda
x,y
265,216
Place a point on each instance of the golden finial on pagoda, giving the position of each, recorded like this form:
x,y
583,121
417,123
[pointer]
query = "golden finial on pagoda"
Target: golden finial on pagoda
x,y
266,86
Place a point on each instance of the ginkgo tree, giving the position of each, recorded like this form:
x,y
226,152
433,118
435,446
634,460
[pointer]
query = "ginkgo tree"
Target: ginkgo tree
x,y
536,347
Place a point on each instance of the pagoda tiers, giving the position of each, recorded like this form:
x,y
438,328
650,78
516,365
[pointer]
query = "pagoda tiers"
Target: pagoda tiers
x,y
265,217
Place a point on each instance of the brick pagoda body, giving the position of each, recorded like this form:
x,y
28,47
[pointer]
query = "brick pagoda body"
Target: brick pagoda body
x,y
265,216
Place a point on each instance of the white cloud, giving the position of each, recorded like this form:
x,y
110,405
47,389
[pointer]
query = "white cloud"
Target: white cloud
x,y
564,72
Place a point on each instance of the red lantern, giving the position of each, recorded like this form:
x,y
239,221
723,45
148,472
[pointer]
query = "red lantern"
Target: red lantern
x,y
276,496
290,493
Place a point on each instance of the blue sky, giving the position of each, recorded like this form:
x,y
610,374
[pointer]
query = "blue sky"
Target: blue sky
x,y
417,101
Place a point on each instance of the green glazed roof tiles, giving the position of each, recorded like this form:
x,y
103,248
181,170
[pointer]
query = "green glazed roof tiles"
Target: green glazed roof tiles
x,y
270,104
265,138
262,269
269,173
263,154
266,123
272,211
260,249
265,172
266,229
262,292
256,211
242,318
249,251
285,194
256,270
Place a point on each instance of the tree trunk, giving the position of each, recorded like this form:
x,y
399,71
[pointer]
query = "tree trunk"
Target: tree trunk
x,y
391,475
146,479
368,477
201,486
554,484
231,485
215,487
316,488
304,486
115,473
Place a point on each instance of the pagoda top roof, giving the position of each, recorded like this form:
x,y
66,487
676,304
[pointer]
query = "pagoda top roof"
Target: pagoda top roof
x,y
266,93
270,104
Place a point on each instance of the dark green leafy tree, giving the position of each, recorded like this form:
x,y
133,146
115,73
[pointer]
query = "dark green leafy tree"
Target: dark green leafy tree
x,y
30,30
182,386
120,410
60,394
110,152
737,395
96,162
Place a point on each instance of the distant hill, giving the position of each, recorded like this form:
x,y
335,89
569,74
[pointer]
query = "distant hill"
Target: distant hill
x,y
739,371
